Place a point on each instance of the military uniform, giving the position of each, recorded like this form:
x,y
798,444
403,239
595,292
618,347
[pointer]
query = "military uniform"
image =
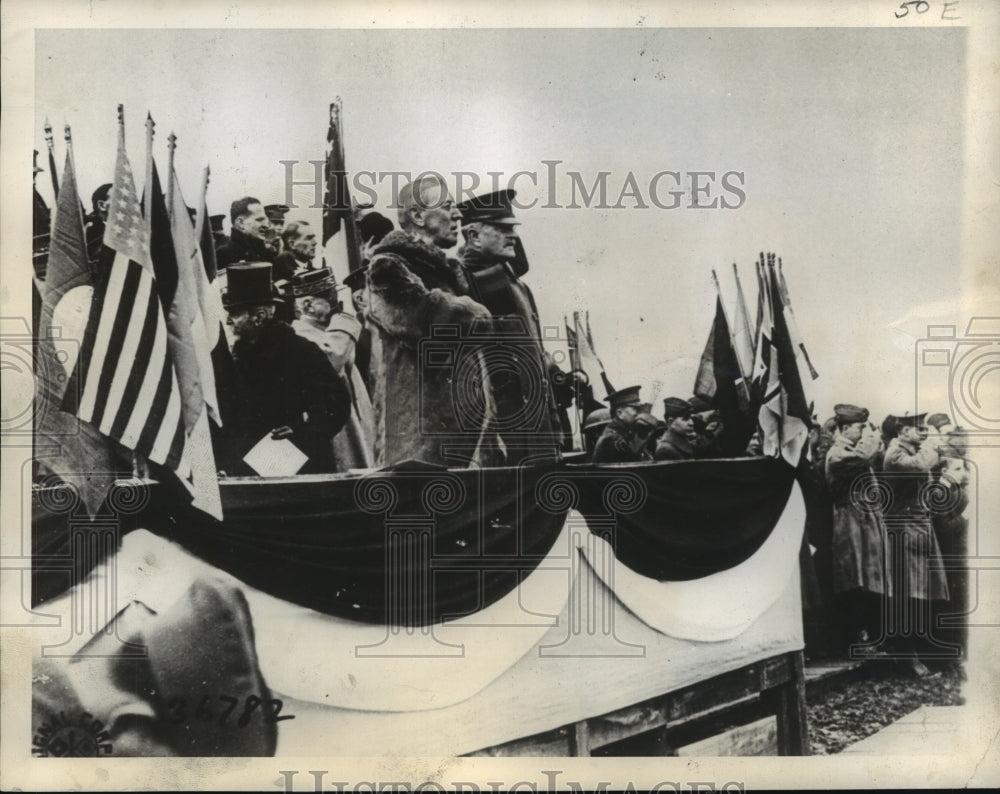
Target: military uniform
x,y
617,443
528,373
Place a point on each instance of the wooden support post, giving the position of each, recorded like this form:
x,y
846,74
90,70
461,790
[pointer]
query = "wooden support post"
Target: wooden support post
x,y
789,703
579,739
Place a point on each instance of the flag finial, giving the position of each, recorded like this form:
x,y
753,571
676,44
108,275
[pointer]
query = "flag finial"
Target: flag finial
x,y
67,134
48,131
172,141
121,115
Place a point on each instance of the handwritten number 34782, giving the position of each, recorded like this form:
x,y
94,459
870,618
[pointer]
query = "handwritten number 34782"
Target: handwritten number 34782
x,y
270,709
920,6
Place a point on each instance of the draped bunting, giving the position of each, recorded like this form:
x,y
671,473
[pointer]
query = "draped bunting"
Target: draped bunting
x,y
422,545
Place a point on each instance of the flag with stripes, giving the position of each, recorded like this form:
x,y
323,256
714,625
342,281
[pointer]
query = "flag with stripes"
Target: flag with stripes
x,y
125,383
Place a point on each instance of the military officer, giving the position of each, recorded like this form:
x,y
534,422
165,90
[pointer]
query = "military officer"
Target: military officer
x,y
617,442
676,443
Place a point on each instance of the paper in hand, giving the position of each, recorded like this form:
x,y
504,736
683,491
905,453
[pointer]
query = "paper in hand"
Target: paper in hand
x,y
275,457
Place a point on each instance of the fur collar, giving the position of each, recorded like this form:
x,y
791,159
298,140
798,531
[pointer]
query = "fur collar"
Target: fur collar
x,y
426,261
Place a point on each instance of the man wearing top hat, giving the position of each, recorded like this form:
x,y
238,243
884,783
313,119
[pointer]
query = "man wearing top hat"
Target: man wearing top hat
x,y
320,321
433,408
860,581
917,570
677,442
493,261
617,443
287,388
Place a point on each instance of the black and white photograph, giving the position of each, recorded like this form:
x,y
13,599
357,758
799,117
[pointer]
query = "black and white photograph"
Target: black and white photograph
x,y
461,398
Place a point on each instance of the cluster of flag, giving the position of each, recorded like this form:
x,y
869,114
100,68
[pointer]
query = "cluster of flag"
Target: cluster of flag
x,y
755,379
144,377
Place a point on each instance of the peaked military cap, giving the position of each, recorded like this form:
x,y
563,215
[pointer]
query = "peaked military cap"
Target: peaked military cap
x,y
491,208
314,282
700,404
277,212
848,414
917,420
249,284
624,397
674,407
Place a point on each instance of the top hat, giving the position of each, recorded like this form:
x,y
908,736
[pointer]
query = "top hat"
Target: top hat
x,y
491,208
248,284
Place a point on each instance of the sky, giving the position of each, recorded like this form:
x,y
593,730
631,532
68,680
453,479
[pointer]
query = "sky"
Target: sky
x,y
849,143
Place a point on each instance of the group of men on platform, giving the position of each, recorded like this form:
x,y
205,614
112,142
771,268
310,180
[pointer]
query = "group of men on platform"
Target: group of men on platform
x,y
442,360
629,432
891,550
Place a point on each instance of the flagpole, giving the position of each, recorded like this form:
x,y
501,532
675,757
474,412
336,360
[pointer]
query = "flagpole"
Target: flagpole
x,y
202,203
148,188
787,300
50,143
171,146
67,133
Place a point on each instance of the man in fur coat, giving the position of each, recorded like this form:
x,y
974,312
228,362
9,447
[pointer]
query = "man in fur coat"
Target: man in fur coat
x,y
430,391
287,388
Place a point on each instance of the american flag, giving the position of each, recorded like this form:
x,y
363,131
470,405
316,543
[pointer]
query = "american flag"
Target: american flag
x,y
126,385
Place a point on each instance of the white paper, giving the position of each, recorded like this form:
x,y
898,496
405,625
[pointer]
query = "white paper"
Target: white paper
x,y
275,457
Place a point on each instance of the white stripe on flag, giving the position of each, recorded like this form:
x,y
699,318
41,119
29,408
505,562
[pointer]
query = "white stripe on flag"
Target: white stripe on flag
x,y
128,359
154,368
112,297
168,426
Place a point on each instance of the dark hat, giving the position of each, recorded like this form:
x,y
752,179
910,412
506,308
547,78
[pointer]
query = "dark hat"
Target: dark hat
x,y
356,278
314,282
890,427
848,414
491,208
35,161
937,421
624,397
674,407
700,404
248,284
215,222
598,418
276,212
373,226
917,420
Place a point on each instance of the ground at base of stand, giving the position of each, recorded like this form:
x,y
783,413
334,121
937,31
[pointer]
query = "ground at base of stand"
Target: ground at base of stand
x,y
851,710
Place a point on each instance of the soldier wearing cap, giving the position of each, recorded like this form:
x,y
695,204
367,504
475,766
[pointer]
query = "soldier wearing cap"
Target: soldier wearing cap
x,y
677,443
917,570
321,322
858,539
287,387
492,262
707,428
617,442
100,201
276,217
413,296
